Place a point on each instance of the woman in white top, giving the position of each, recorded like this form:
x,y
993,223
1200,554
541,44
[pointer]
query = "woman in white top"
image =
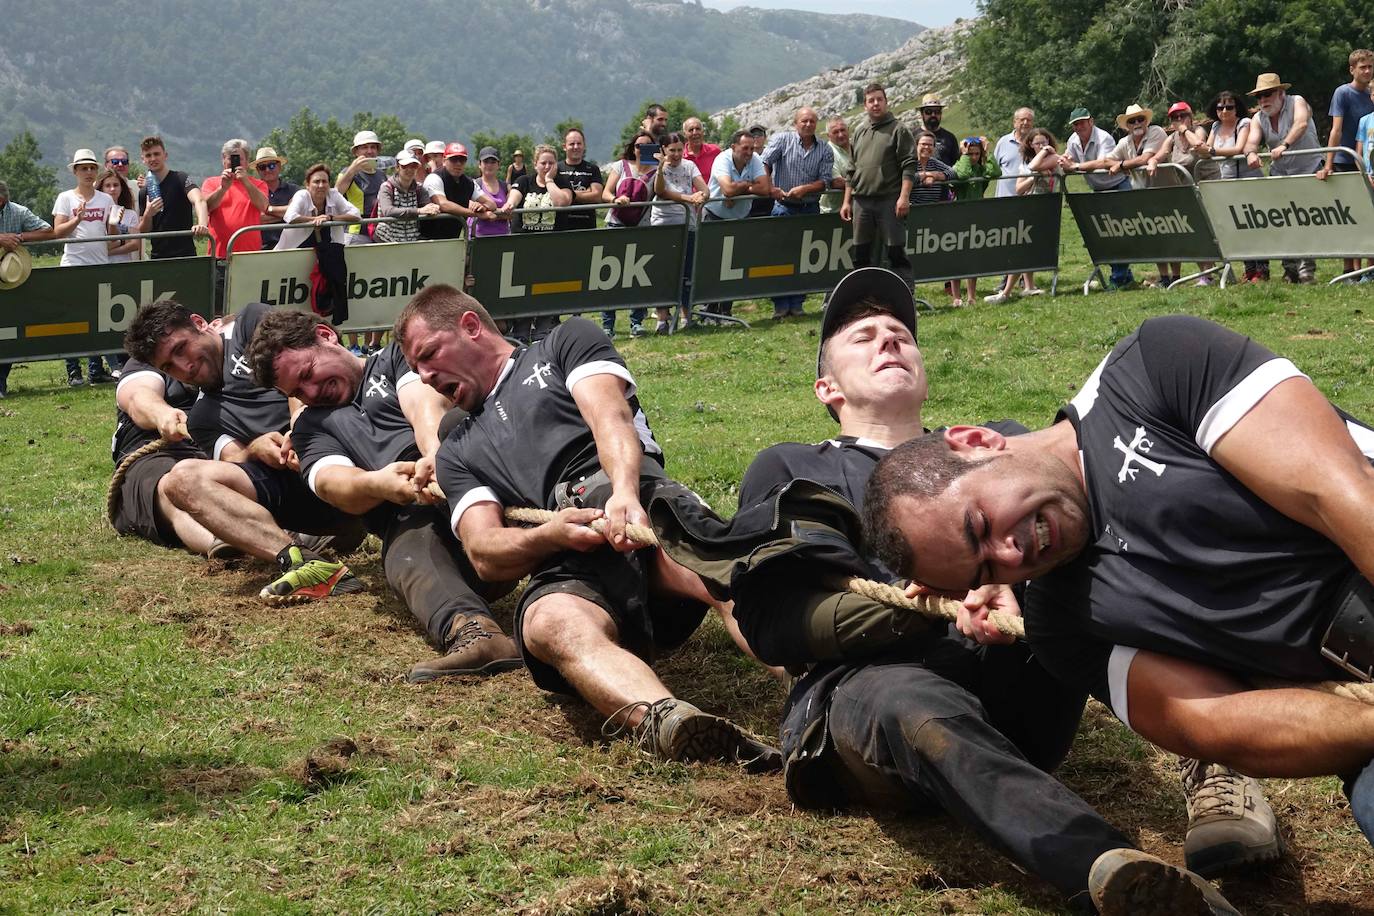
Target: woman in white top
x,y
83,213
123,218
1227,138
313,205
679,180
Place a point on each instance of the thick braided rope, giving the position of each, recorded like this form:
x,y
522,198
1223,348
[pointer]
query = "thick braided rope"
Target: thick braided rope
x,y
946,608
117,480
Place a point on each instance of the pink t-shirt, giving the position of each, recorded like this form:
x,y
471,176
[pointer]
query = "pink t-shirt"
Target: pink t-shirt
x,y
704,159
235,211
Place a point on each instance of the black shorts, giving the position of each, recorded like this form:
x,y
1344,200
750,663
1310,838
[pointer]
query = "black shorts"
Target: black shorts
x,y
293,506
138,513
618,583
1344,167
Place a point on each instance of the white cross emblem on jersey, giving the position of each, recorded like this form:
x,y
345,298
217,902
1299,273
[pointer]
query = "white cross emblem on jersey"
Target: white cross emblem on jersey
x,y
1135,452
541,370
240,363
377,386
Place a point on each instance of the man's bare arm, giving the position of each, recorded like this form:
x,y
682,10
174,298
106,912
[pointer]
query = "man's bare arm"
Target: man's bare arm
x,y
501,554
143,399
601,401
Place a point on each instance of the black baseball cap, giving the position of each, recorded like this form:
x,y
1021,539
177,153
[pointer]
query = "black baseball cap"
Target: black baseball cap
x,y
877,284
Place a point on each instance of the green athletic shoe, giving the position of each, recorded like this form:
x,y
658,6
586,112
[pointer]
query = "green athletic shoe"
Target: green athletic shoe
x,y
308,577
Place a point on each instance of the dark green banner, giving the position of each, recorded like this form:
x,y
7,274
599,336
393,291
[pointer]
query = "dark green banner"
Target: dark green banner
x,y
979,238
542,273
750,258
73,311
1151,224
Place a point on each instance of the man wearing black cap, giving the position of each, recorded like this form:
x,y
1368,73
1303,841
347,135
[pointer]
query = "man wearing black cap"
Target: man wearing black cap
x,y
894,710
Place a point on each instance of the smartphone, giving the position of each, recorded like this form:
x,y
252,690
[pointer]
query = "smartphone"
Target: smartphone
x,y
647,151
235,160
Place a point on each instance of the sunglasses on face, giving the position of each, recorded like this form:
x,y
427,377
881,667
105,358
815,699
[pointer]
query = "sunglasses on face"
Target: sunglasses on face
x,y
268,167
117,161
1227,107
931,111
1136,120
1265,94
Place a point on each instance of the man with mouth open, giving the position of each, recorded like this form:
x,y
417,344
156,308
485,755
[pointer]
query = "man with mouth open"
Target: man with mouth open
x,y
1197,517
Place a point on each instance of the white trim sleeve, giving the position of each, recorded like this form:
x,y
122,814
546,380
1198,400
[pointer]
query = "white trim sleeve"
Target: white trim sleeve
x,y
602,367
1086,397
407,379
1118,670
220,443
140,374
1237,402
471,498
328,461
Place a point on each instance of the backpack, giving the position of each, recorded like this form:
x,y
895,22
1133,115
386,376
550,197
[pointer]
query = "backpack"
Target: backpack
x,y
634,187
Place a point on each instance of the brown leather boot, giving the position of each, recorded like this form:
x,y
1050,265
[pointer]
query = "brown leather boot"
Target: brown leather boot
x,y
474,645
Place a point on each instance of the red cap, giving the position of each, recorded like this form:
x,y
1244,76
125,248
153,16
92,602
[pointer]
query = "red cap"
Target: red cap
x,y
455,149
1180,107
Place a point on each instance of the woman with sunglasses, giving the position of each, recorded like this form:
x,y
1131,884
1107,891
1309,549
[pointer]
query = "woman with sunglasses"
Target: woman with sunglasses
x,y
973,172
1187,148
1226,137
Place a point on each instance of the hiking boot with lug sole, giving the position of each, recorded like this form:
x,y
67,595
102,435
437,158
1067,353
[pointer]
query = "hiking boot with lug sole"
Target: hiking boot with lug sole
x,y
1230,825
674,729
307,576
1128,882
475,645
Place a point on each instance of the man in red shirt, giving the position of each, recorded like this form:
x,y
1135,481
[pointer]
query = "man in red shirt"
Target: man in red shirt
x,y
701,153
234,200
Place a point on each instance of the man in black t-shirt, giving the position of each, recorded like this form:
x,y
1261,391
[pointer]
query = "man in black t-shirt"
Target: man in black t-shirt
x,y
249,489
584,178
150,405
177,206
1197,516
557,426
893,710
369,427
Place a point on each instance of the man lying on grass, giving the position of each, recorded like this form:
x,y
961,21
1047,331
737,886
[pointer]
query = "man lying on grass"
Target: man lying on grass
x,y
1198,516
369,428
249,496
893,710
557,426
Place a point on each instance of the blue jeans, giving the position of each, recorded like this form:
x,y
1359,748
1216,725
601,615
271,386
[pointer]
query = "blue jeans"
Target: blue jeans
x,y
792,305
1121,273
1360,790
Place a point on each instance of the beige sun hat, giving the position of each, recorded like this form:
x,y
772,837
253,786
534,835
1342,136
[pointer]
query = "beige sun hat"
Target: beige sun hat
x,y
15,267
1267,81
267,154
932,100
83,157
1131,112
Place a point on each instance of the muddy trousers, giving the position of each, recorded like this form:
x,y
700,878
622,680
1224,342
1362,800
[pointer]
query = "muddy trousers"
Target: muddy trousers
x,y
973,732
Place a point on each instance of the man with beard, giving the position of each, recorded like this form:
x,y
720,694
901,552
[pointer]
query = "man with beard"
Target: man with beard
x,y
250,486
1284,122
366,441
946,144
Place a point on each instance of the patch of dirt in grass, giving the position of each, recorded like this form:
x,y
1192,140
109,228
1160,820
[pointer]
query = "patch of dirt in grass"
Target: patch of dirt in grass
x,y
212,781
19,628
620,892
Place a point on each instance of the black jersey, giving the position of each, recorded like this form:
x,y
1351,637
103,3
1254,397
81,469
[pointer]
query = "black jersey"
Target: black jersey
x,y
241,409
528,435
128,435
369,432
1182,558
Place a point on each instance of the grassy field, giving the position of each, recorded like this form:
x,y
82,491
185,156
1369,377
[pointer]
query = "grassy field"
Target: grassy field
x,y
155,720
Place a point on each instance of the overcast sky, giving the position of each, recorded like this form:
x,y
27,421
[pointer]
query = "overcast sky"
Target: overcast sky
x,y
926,12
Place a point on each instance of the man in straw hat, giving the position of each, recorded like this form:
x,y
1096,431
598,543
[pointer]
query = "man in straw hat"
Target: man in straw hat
x,y
269,167
1197,518
894,710
946,144
1283,123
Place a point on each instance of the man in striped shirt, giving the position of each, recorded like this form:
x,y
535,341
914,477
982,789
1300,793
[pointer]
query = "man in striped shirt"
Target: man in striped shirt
x,y
801,168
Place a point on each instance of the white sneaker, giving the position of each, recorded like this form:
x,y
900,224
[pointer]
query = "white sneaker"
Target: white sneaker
x,y
1037,291
997,298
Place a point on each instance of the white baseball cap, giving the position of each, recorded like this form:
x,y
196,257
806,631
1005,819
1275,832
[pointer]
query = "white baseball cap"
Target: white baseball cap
x,y
434,147
406,157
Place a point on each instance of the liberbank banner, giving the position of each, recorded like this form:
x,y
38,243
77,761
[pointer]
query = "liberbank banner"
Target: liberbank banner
x,y
1291,217
1151,224
72,311
751,258
979,238
544,273
381,278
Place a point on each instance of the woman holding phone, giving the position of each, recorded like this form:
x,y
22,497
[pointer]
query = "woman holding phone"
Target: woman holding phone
x,y
630,181
678,180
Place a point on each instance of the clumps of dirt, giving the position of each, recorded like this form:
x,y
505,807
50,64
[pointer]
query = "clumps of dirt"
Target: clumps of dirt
x,y
621,892
19,628
754,796
326,764
212,781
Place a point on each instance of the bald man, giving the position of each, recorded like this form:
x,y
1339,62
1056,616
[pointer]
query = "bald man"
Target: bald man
x,y
801,167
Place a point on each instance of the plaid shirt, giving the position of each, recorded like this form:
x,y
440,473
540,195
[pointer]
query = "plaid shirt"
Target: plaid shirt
x,y
793,165
15,218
